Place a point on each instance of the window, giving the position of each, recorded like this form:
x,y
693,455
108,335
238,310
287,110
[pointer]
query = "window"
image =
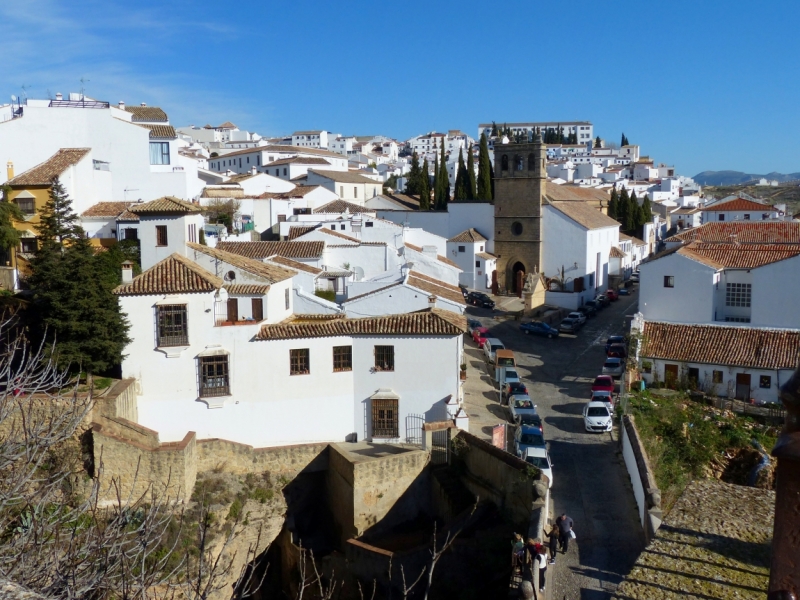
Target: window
x,y
481,249
716,377
131,233
173,329
384,358
284,171
737,319
504,163
214,376
462,248
26,205
258,309
192,232
29,245
721,217
341,226
516,228
368,224
341,191
333,226
298,362
355,192
159,153
669,281
738,294
747,217
161,235
765,381
384,418
342,358
693,374
286,297
477,263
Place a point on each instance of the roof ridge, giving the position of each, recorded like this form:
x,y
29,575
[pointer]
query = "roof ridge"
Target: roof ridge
x,y
251,265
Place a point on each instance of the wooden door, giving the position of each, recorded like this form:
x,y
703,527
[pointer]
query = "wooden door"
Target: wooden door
x,y
670,375
258,309
743,386
233,310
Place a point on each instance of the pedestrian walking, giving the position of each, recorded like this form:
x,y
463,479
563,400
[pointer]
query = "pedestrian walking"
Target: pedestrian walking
x,y
517,551
542,559
553,543
564,523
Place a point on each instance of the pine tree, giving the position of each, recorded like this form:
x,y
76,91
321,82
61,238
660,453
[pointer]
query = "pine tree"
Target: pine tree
x,y
598,142
613,203
444,182
647,213
470,174
57,221
484,185
9,214
622,207
462,179
425,187
414,176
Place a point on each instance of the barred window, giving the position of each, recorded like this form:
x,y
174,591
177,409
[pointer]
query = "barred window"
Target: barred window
x,y
342,358
214,376
26,205
384,418
384,358
738,294
716,377
765,381
161,235
298,362
173,327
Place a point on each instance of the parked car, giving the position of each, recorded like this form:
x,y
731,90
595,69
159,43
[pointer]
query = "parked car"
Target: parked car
x,y
624,292
520,405
531,419
472,324
597,417
512,376
612,295
540,458
597,306
578,316
539,328
480,299
512,388
569,325
606,398
479,335
588,311
614,367
603,383
603,299
614,339
526,437
617,350
490,346
635,276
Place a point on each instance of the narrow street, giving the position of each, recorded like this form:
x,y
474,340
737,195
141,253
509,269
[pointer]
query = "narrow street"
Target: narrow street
x,y
590,482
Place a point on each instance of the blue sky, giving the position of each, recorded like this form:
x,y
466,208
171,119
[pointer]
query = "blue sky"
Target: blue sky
x,y
701,85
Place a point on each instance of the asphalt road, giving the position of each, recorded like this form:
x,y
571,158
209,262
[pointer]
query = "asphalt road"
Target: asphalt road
x,y
590,482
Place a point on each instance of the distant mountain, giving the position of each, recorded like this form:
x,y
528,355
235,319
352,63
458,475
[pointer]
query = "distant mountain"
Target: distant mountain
x,y
737,177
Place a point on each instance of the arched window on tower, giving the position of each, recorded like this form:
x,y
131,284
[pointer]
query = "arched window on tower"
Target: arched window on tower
x,y
518,162
531,162
504,163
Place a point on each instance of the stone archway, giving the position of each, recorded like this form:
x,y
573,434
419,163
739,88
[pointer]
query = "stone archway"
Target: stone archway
x,y
517,281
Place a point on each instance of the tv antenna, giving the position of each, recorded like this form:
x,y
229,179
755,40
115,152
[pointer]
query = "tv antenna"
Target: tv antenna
x,y
126,190
84,81
25,89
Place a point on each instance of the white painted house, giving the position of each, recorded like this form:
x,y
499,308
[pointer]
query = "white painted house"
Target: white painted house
x,y
468,251
411,291
346,184
242,161
739,209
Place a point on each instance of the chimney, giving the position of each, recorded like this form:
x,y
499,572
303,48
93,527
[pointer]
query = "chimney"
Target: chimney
x,y
430,251
122,105
253,170
59,96
10,170
144,103
127,272
431,301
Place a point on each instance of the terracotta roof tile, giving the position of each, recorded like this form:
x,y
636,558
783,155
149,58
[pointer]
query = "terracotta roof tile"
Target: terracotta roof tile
x,y
439,257
175,274
343,176
470,236
298,192
43,173
485,256
223,192
739,256
166,206
127,216
437,288
594,196
269,272
160,131
719,345
338,234
147,113
246,288
296,231
759,232
226,125
616,253
340,206
261,250
739,204
426,322
299,160
294,264
583,214
107,209
284,149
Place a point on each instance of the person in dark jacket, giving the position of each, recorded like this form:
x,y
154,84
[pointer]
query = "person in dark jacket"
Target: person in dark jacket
x,y
564,524
553,538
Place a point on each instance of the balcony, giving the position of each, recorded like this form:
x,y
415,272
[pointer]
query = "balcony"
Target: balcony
x,y
78,104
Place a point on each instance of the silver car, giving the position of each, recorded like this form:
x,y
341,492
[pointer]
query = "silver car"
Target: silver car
x,y
614,367
577,316
569,325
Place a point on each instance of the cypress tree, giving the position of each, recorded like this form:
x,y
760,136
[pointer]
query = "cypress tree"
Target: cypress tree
x,y
414,176
484,185
624,140
612,204
470,174
494,129
425,187
622,207
444,182
462,180
597,142
632,214
437,189
647,213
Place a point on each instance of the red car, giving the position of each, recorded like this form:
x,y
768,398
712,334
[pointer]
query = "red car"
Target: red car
x,y
603,383
612,295
479,335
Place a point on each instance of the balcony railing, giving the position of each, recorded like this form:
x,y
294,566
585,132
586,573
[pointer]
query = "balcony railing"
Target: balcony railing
x,y
78,104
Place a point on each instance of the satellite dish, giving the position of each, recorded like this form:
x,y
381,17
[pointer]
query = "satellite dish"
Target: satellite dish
x,y
230,276
13,98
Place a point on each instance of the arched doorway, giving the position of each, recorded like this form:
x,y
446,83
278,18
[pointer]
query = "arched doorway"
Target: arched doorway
x,y
516,286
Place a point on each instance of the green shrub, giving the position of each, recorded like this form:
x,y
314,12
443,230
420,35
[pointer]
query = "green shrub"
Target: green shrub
x,y
235,511
329,295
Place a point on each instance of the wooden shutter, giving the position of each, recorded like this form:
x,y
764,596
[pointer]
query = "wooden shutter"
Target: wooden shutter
x,y
258,309
233,310
578,284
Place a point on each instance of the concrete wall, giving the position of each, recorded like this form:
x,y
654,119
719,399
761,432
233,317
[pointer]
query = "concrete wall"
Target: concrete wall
x,y
645,489
566,300
693,281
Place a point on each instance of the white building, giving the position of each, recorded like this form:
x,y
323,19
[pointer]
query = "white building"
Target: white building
x,y
242,161
317,138
583,129
468,251
739,209
347,185
412,290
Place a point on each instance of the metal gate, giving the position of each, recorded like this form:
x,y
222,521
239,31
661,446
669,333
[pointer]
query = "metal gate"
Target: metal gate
x,y
440,447
414,429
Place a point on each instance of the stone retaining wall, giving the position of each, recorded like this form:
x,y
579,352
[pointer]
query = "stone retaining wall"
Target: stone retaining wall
x,y
645,488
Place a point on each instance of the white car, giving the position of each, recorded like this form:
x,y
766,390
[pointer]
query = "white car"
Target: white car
x,y
512,376
597,417
578,316
490,346
605,397
540,458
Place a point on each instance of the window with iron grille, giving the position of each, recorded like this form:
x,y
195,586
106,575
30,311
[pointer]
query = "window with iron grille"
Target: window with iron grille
x,y
26,205
738,294
384,358
298,362
342,358
173,329
716,376
384,418
765,381
214,376
161,235
29,245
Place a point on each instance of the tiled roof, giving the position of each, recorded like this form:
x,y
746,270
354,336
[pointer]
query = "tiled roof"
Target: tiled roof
x,y
222,192
269,272
299,191
636,241
332,273
296,231
435,287
403,201
309,132
343,176
338,234
43,173
739,256
147,113
299,160
294,264
166,206
175,274
441,258
106,209
226,125
470,236
739,204
160,131
283,149
127,216
485,256
718,345
340,206
425,322
261,250
616,253
584,215
555,192
759,232
246,288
